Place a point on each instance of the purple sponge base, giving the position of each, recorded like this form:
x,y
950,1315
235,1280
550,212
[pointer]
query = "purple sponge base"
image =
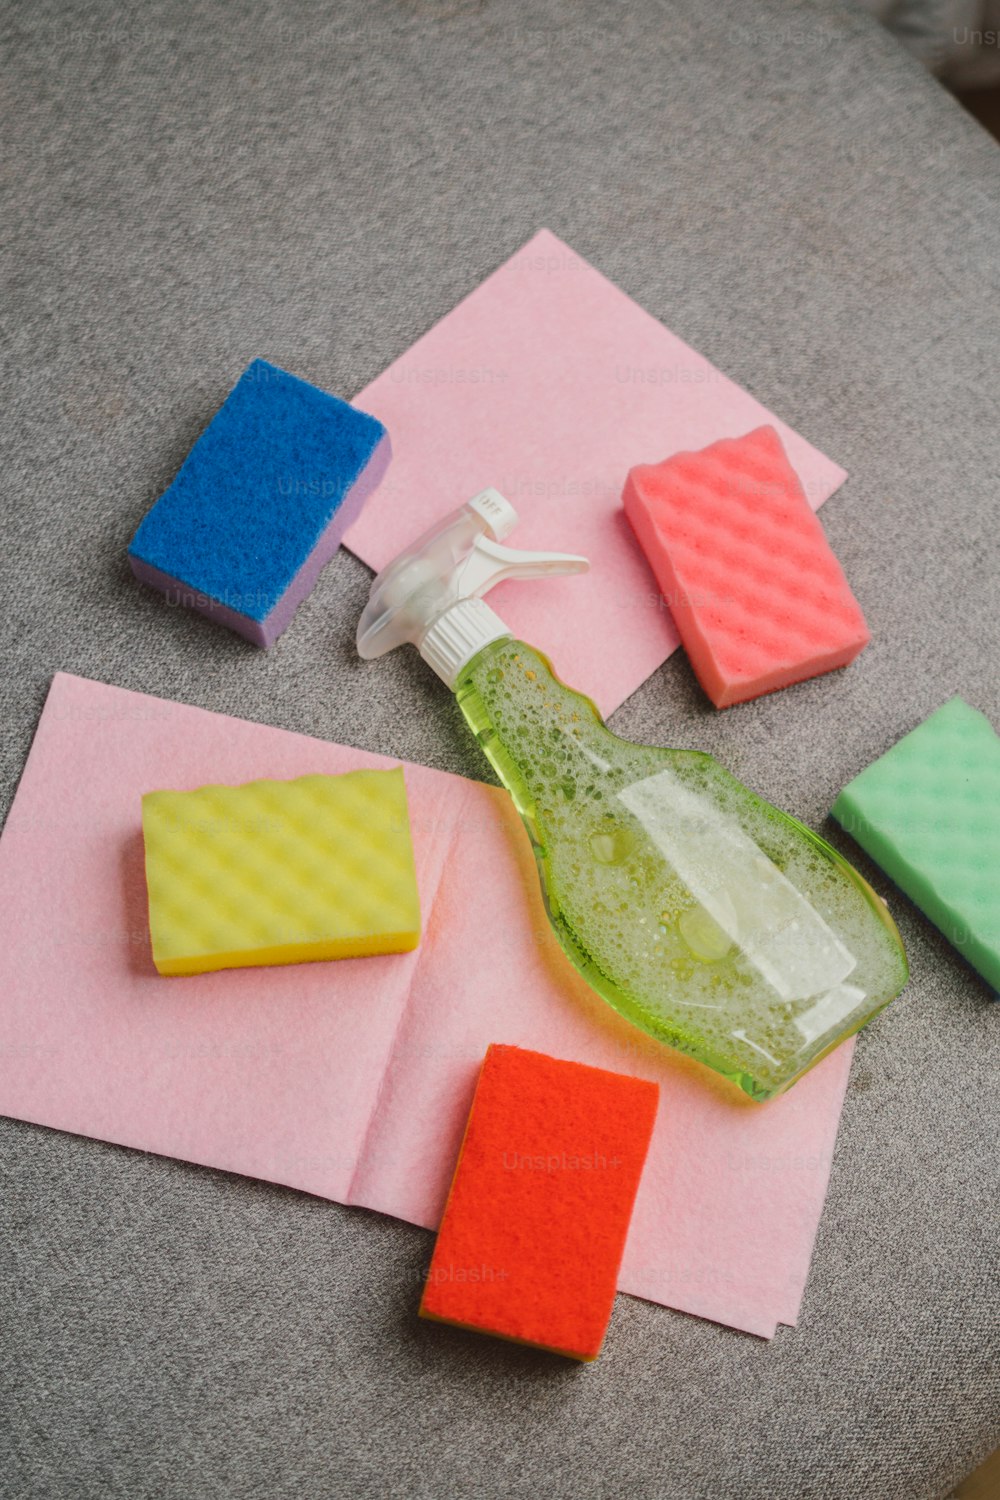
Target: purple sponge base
x,y
266,631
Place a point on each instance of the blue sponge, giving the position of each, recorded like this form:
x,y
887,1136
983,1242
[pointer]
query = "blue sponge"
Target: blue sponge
x,y
261,502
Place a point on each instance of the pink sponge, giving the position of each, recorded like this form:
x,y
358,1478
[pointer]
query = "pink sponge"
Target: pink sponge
x,y
758,597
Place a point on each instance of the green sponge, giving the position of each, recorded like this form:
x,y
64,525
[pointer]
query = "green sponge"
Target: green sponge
x,y
928,812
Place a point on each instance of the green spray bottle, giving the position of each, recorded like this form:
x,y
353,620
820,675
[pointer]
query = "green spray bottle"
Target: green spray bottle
x,y
709,918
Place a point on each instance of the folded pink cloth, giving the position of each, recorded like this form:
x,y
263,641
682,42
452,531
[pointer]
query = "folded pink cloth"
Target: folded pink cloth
x,y
353,1080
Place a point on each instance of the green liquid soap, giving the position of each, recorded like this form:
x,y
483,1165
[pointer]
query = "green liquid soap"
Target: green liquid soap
x,y
718,924
709,918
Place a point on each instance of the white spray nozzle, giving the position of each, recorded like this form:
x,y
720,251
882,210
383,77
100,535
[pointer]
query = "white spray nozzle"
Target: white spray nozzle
x,y
432,594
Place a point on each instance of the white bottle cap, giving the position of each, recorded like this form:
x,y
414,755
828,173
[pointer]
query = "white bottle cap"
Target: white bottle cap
x,y
458,636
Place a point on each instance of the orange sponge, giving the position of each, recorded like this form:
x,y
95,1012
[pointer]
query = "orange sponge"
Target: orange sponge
x,y
535,1224
757,595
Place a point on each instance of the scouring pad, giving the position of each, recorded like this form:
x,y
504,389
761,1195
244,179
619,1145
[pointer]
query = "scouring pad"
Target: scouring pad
x,y
261,503
534,1228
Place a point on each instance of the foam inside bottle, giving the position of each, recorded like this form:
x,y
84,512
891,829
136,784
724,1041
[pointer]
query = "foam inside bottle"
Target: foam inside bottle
x,y
701,912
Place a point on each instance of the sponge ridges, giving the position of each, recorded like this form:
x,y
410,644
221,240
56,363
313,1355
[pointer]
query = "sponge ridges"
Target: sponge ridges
x,y
928,811
280,871
759,598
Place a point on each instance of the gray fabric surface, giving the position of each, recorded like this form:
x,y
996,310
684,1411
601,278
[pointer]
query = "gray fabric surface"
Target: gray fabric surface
x,y
188,185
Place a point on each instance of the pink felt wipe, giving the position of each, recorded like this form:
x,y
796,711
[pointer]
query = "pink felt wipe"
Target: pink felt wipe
x,y
550,384
353,1080
755,590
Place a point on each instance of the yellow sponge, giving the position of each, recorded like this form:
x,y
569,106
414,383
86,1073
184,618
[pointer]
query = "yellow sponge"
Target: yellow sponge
x,y
280,872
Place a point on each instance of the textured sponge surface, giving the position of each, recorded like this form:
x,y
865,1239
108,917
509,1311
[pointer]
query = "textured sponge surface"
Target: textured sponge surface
x,y
280,872
276,475
533,1232
758,597
928,812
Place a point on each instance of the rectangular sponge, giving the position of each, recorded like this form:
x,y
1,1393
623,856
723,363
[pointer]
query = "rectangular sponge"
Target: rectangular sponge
x,y
757,595
261,503
280,872
928,812
534,1228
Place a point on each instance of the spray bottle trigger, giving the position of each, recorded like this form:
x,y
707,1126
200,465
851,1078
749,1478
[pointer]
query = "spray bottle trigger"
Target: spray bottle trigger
x,y
489,563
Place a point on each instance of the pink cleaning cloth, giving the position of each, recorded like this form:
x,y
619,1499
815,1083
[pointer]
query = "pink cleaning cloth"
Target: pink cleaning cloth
x,y
353,1080
550,384
757,595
